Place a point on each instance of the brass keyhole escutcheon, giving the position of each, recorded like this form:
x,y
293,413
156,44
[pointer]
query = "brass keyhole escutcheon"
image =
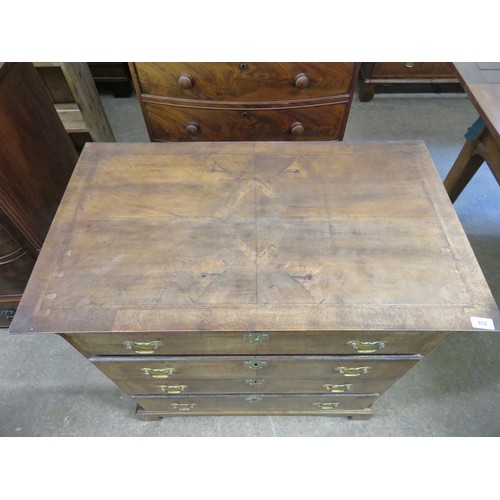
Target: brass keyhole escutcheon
x,y
255,381
253,399
243,66
255,364
256,337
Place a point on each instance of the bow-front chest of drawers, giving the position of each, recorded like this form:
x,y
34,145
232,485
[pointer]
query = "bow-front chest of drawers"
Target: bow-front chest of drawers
x,y
245,101
255,278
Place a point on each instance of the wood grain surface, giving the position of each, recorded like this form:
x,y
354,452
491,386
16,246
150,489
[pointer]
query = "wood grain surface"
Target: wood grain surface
x,y
255,236
169,123
256,82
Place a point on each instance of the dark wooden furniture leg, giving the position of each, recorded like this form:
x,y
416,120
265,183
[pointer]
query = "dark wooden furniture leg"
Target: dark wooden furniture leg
x,y
366,92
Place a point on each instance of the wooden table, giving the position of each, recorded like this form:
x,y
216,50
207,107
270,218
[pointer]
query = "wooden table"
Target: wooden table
x,y
262,278
481,81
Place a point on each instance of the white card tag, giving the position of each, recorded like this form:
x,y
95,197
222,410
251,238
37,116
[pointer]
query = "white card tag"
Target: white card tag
x,y
483,323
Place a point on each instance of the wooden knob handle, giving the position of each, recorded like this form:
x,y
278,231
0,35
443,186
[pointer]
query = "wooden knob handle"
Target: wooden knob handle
x,y
192,128
297,129
185,81
302,81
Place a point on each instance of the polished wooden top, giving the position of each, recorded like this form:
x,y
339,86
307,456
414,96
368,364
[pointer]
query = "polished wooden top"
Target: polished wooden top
x,y
255,236
482,83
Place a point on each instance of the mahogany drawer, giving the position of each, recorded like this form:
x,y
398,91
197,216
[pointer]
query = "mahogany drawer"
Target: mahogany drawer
x,y
176,123
255,403
412,70
261,343
182,369
244,82
249,385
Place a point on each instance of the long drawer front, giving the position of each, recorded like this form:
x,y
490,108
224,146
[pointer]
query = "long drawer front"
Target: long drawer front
x,y
254,404
182,370
325,385
174,123
412,70
245,81
256,343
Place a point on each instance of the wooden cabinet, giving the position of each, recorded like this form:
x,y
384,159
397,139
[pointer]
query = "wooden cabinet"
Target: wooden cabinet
x,y
77,102
36,162
257,277
389,73
245,101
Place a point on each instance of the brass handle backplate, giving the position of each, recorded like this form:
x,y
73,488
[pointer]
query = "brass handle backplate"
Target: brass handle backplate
x,y
352,371
366,347
158,372
256,337
142,347
337,388
183,406
326,406
172,389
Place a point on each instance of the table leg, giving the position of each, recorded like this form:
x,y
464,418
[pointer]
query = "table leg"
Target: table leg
x,y
462,171
483,147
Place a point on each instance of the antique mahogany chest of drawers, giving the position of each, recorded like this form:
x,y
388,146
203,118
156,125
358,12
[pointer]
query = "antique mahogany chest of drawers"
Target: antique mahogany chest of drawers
x,y
245,101
256,277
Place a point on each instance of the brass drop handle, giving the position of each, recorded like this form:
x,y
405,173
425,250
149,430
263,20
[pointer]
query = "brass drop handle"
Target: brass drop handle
x,y
302,81
185,81
172,389
183,406
337,388
326,406
192,128
409,65
366,347
142,347
352,372
158,372
297,129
